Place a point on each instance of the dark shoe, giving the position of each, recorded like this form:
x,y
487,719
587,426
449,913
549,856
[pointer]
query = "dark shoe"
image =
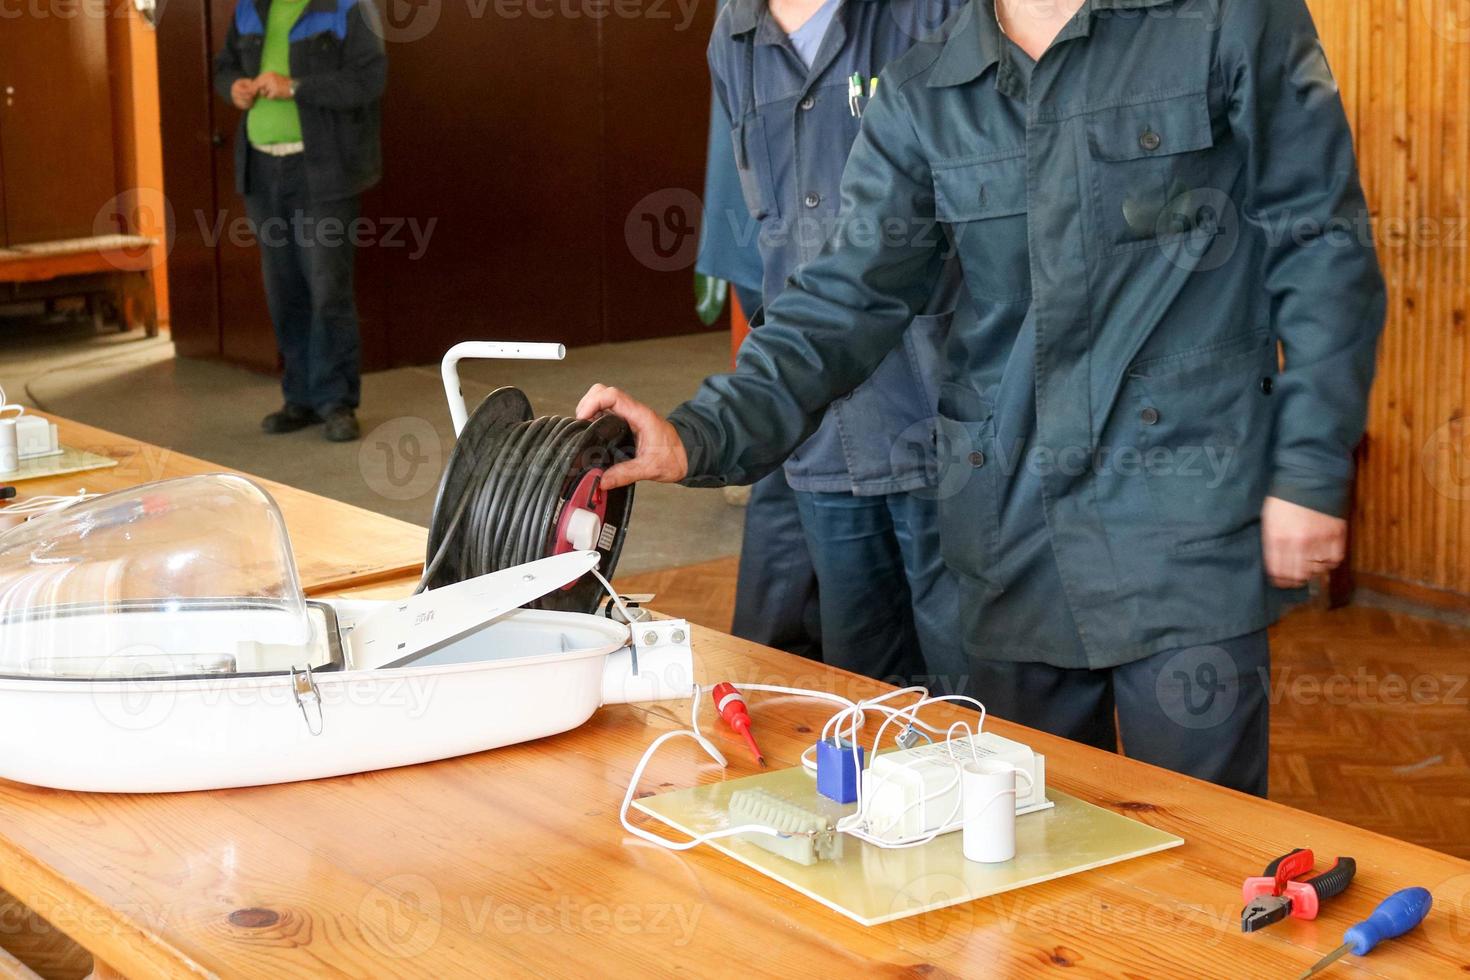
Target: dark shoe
x,y
289,419
342,425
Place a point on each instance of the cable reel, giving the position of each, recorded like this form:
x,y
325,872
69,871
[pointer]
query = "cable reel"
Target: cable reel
x,y
519,488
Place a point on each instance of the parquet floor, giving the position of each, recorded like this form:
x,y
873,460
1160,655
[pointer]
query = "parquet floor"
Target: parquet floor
x,y
1370,719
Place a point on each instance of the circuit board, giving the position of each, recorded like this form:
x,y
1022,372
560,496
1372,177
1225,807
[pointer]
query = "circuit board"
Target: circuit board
x,y
69,460
872,885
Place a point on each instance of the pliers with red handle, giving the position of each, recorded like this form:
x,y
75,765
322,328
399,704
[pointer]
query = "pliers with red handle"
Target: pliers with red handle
x,y
1282,890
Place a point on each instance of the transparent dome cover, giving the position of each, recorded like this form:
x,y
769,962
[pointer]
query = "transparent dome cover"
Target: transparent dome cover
x,y
185,577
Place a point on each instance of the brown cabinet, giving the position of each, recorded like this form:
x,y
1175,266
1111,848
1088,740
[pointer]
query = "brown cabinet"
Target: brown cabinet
x,y
519,152
56,143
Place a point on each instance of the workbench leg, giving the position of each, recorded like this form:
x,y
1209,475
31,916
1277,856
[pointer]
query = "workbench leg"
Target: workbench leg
x,y
101,971
39,945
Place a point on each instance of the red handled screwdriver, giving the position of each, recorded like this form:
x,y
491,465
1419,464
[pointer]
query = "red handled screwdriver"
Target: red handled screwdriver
x,y
730,703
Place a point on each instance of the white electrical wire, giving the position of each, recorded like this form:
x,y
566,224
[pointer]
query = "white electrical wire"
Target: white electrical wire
x,y
854,712
7,405
854,824
44,504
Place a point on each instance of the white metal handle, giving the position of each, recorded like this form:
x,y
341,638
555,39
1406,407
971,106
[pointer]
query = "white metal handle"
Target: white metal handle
x,y
487,350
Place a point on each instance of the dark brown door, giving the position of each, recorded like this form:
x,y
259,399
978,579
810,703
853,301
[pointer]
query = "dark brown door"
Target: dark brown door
x,y
655,90
187,108
246,336
492,131
56,122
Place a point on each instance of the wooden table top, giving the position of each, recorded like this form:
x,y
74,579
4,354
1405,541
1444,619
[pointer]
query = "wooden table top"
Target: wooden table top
x,y
336,544
513,861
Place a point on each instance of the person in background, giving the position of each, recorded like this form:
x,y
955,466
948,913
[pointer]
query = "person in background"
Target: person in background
x,y
793,78
307,76
1152,424
776,601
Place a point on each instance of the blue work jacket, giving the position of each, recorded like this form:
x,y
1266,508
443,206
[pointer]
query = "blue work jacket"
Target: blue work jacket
x,y
727,249
1178,308
339,66
792,128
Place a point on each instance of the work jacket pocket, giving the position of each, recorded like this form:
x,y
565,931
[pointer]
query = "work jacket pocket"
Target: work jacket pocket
x,y
966,456
1151,172
1203,423
322,52
982,204
753,163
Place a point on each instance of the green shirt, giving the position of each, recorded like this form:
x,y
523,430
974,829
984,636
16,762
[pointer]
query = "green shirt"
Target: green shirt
x,y
276,120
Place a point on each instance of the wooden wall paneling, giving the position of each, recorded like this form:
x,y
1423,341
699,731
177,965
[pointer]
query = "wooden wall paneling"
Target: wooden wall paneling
x,y
655,82
140,207
492,132
1404,69
56,113
186,110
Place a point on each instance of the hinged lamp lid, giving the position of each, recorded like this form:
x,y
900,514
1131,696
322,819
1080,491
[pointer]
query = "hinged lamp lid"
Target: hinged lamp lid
x,y
184,577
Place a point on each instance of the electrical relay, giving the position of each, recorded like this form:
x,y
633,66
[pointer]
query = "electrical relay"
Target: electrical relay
x,y
910,793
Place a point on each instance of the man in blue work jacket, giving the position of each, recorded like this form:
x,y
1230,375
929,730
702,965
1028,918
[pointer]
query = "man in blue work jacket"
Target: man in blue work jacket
x,y
776,586
1156,206
794,79
307,76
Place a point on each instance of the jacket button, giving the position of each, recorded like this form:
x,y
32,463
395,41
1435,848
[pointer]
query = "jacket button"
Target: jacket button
x,y
1149,415
812,199
808,102
1150,140
1267,385
977,459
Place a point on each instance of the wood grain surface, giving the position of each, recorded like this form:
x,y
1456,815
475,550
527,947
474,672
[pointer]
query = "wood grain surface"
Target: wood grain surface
x,y
1404,70
513,861
336,544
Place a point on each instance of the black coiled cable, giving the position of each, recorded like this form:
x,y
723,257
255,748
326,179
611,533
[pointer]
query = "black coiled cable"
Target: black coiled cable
x,y
509,477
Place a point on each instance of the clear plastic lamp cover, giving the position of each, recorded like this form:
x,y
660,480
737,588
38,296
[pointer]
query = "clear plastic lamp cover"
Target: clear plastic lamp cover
x,y
185,577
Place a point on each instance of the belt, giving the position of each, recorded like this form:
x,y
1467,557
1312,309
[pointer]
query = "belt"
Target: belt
x,y
280,149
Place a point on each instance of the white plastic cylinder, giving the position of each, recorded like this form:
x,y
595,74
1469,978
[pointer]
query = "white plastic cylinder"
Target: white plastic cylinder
x,y
9,447
988,811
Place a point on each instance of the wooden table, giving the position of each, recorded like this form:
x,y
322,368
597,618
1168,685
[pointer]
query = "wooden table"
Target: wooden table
x,y
513,862
337,545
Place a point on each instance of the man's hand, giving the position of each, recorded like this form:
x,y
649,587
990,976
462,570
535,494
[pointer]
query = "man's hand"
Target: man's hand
x,y
1299,543
660,455
273,85
243,93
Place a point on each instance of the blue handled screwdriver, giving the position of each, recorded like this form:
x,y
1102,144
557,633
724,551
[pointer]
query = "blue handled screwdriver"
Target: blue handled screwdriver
x,y
1395,915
